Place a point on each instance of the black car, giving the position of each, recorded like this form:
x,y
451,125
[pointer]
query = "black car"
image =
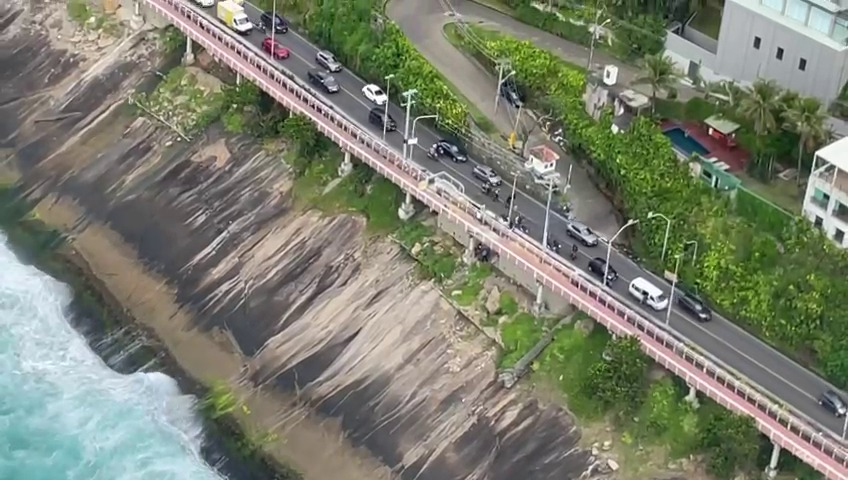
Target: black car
x,y
449,149
833,403
598,266
280,23
694,306
376,115
324,79
510,93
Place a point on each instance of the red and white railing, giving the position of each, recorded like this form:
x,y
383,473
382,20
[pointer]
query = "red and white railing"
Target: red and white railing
x,y
782,426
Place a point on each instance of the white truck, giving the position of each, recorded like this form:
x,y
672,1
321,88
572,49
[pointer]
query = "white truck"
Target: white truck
x,y
233,16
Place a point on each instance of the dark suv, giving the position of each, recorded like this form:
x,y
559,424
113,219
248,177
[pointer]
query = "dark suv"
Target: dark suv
x,y
280,23
833,403
598,266
324,79
510,93
449,149
693,305
375,117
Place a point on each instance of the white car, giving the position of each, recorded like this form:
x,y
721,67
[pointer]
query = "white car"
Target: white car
x,y
375,94
205,3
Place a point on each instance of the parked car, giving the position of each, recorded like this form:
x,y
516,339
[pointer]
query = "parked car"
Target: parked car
x,y
582,234
598,266
376,115
205,3
324,79
270,18
375,94
328,61
833,403
275,49
695,306
449,149
487,175
510,93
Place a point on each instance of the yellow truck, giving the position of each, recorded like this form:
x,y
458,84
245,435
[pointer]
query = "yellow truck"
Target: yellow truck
x,y
233,16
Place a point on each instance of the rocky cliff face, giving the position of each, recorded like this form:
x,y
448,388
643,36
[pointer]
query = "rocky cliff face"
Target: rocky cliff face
x,y
314,306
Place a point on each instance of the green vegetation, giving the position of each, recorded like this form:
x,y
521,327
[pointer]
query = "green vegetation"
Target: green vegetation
x,y
470,287
637,30
220,400
182,102
376,47
79,11
756,277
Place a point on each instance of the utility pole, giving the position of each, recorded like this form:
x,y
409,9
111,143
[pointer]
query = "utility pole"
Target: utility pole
x,y
407,95
389,78
595,33
502,65
273,23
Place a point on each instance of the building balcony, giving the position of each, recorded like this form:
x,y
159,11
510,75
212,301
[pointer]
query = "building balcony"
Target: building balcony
x,y
831,181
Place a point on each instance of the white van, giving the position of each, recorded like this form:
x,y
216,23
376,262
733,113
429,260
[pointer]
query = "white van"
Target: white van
x,y
647,293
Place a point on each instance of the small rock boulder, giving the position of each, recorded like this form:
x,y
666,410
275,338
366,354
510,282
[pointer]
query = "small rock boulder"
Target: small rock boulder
x,y
613,465
493,301
607,445
415,250
585,326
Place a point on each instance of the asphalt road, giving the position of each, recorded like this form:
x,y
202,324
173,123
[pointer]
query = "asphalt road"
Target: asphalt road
x,y
726,342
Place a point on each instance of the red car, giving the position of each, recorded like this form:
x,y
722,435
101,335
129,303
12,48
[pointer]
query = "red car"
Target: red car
x,y
275,49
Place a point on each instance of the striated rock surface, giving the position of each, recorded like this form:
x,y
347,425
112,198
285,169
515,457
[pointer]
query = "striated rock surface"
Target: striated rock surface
x,y
316,309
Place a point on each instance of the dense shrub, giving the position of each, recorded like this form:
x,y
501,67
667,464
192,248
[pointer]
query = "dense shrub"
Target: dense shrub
x,y
551,23
375,47
785,286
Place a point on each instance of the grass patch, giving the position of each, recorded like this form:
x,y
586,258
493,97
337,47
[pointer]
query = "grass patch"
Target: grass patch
x,y
507,304
79,11
518,336
782,193
472,284
666,420
182,102
411,233
565,364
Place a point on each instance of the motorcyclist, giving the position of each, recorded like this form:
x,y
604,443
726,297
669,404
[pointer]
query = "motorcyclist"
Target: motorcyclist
x,y
497,194
433,152
574,251
486,188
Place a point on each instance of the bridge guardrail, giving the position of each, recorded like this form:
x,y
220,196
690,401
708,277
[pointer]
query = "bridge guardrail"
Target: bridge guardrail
x,y
774,421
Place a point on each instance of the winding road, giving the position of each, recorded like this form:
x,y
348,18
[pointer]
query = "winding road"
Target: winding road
x,y
728,344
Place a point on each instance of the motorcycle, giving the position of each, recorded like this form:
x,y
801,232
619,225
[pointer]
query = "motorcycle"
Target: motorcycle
x,y
554,246
573,253
433,154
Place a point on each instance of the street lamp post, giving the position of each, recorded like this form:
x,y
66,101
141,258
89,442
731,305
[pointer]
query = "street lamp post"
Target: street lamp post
x,y
407,95
609,246
694,250
845,427
501,79
414,140
667,230
388,79
512,200
595,29
547,215
673,286
273,21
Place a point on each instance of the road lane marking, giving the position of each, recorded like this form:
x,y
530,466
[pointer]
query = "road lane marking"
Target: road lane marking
x,y
679,316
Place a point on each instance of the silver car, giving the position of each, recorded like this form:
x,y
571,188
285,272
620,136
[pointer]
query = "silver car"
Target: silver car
x,y
582,234
487,174
328,61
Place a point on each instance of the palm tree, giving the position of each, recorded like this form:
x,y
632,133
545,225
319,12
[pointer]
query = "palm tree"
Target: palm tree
x,y
805,117
760,105
660,73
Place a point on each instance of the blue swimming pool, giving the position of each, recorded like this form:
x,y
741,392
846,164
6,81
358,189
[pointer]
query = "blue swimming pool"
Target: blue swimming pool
x,y
684,143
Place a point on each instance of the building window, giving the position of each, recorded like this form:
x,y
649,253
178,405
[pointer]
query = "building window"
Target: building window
x,y
820,20
779,54
802,64
840,30
797,10
774,4
818,222
838,236
757,41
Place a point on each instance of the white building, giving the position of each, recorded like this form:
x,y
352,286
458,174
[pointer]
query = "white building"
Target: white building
x,y
826,199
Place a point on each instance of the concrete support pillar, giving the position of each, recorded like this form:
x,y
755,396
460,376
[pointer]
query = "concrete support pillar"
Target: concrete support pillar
x,y
539,303
469,250
771,470
692,397
406,210
347,166
137,8
188,56
238,78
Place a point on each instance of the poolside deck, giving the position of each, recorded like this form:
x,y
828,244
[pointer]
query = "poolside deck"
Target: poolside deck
x,y
736,158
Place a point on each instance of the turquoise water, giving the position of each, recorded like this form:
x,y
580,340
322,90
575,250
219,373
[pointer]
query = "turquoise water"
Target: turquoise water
x,y
65,415
683,142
